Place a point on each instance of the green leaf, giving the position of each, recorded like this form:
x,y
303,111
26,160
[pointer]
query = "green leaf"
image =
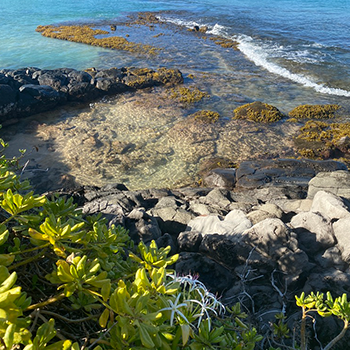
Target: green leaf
x,y
9,282
185,330
9,336
4,234
44,334
146,339
106,290
6,259
104,318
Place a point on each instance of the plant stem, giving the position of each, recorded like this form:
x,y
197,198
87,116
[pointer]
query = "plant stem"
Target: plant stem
x,y
339,336
68,320
302,330
98,297
29,260
31,250
47,302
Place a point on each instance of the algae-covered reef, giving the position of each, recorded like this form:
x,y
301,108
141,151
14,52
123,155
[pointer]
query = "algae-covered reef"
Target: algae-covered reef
x,y
86,35
206,117
258,112
314,111
187,94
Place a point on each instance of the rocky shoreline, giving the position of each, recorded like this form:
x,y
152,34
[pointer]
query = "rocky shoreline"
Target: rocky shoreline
x,y
259,236
28,91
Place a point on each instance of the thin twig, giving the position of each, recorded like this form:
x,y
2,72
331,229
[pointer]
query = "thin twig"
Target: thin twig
x,y
35,313
282,295
46,302
103,335
315,333
68,320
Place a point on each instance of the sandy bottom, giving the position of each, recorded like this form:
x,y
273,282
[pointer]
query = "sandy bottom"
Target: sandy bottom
x,y
142,139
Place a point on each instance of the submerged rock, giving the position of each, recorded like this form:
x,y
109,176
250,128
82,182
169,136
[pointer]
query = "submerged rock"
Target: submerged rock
x,y
314,111
258,112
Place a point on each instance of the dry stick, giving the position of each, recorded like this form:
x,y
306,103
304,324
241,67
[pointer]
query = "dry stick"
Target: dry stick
x,y
339,336
36,315
29,260
282,295
315,332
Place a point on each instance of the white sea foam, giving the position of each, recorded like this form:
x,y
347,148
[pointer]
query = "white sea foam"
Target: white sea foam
x,y
180,22
259,56
218,30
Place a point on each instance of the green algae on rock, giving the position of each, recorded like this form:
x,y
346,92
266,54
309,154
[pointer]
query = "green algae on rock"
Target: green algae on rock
x,y
314,111
87,35
224,42
258,112
206,117
319,139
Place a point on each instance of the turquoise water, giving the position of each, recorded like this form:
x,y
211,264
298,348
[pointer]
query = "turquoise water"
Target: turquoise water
x,y
304,41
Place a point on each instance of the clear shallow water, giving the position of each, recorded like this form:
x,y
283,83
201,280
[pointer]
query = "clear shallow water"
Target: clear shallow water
x,y
290,53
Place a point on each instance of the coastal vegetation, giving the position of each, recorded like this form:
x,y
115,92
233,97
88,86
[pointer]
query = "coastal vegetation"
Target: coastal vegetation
x,y
68,281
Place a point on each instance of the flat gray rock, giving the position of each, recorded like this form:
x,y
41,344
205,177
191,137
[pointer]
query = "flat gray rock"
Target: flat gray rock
x,y
336,182
292,174
222,178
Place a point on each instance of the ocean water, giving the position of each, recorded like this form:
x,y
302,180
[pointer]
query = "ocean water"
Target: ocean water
x,y
289,53
303,41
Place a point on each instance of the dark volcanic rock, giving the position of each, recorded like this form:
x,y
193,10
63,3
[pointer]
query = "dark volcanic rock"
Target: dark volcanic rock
x,y
7,95
28,91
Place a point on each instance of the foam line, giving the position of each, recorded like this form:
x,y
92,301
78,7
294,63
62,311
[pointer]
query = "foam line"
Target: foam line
x,y
257,55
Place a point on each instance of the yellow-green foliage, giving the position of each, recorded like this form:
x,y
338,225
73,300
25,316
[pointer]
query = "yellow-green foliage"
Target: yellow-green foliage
x,y
188,95
258,112
206,117
86,35
314,111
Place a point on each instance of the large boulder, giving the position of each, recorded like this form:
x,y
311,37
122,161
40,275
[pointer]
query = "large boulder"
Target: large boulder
x,y
235,222
342,234
314,231
329,206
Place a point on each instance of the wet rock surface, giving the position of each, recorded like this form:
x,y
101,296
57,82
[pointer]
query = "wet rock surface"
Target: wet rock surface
x,y
28,91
